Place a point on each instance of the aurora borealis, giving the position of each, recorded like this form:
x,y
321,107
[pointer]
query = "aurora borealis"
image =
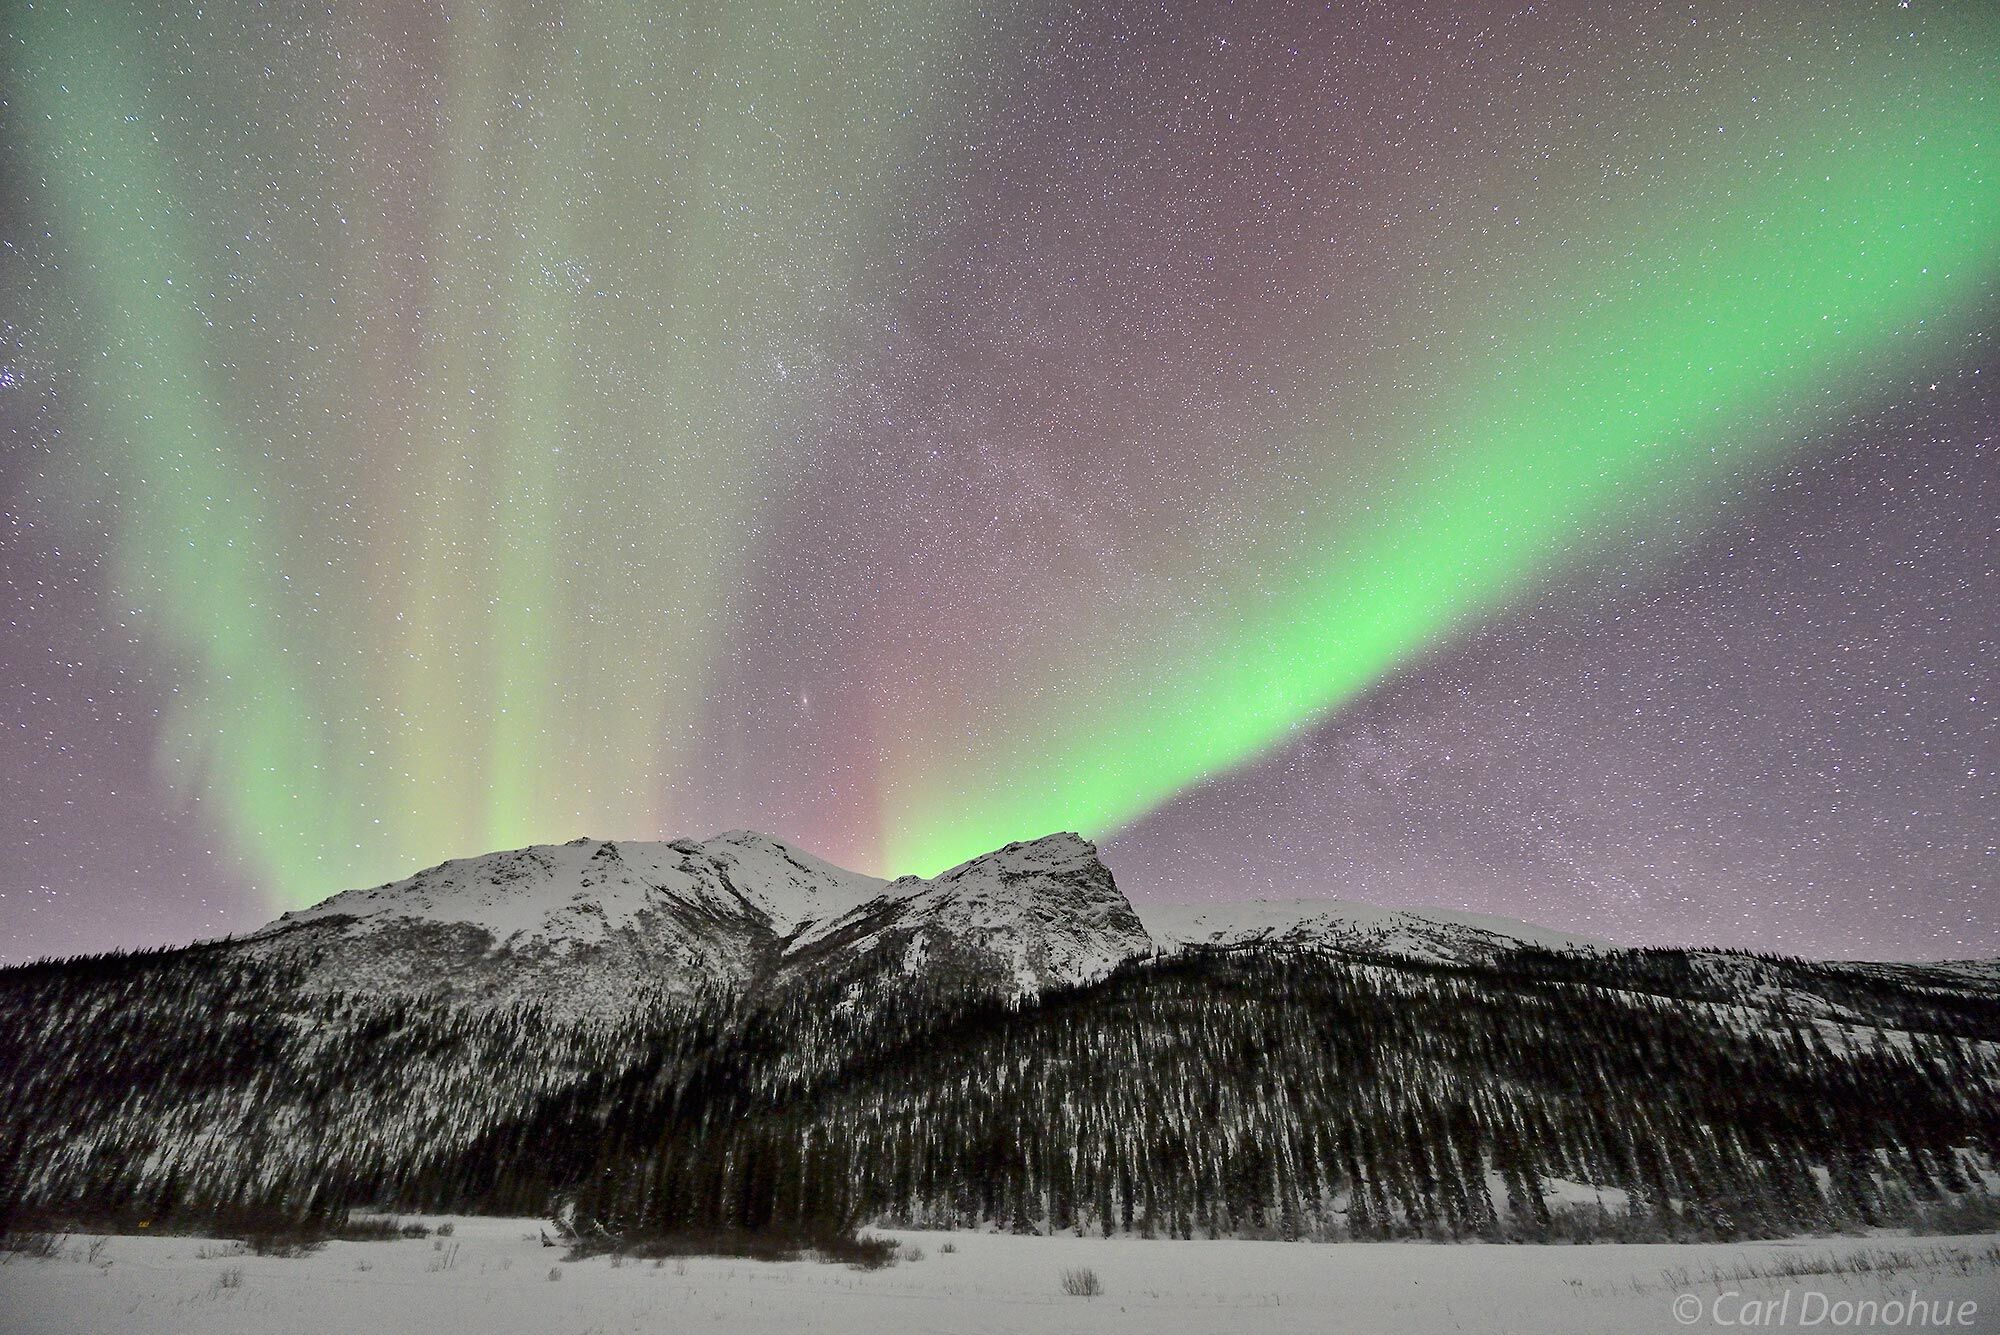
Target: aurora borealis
x,y
1536,459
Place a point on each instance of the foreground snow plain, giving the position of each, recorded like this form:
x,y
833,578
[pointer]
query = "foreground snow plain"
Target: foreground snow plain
x,y
494,1277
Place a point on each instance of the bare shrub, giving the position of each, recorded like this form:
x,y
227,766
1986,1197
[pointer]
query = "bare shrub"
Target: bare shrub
x,y
35,1245
231,1278
555,1273
772,1244
1082,1282
1878,1263
446,1229
947,1248
285,1243
857,1251
912,1252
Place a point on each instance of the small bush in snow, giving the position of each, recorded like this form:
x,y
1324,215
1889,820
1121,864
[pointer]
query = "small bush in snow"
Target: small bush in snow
x,y
555,1273
832,1245
287,1243
1082,1282
912,1252
859,1252
34,1245
947,1248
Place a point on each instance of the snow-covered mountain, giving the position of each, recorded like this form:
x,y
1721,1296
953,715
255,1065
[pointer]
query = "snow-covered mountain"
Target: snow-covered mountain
x,y
1452,937
566,896
1443,936
1030,915
591,924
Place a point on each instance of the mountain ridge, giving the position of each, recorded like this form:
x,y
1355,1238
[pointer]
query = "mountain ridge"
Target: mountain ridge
x,y
591,922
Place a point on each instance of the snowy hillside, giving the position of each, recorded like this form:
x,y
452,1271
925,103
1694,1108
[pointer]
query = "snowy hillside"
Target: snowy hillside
x,y
1034,914
1439,935
565,895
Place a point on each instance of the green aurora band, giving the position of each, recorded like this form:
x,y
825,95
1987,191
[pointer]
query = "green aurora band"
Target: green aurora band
x,y
1717,322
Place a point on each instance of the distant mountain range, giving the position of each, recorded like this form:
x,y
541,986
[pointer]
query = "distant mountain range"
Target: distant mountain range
x,y
736,1034
592,924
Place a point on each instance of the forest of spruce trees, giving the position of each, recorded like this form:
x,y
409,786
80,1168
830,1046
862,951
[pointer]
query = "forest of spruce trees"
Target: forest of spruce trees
x,y
1268,1092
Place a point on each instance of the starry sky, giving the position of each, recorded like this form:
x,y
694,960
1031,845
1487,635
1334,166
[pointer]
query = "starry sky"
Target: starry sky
x,y
1536,458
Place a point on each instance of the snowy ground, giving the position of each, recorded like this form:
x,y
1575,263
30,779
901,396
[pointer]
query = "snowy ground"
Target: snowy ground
x,y
493,1277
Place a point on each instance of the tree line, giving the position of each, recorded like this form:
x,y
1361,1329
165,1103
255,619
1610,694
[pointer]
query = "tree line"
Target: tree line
x,y
1270,1092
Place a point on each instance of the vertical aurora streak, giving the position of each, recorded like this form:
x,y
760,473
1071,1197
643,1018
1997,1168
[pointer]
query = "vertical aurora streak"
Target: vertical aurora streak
x,y
622,228
198,543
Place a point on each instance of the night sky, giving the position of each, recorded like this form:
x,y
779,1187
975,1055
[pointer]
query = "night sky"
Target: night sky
x,y
1532,458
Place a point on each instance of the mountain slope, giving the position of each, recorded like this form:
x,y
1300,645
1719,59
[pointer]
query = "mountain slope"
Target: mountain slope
x,y
1272,1090
1024,918
574,894
1437,935
588,926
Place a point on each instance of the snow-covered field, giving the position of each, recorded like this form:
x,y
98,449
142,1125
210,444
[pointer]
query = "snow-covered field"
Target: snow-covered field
x,y
493,1277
